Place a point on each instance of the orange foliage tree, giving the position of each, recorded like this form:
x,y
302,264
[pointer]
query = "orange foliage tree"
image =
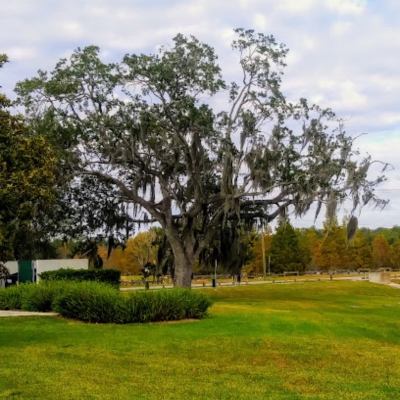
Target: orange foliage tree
x,y
381,252
117,259
141,250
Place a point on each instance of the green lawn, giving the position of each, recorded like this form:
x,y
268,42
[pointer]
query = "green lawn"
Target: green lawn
x,y
322,340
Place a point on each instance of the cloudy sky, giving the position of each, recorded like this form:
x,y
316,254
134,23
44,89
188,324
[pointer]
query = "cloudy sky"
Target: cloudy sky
x,y
344,54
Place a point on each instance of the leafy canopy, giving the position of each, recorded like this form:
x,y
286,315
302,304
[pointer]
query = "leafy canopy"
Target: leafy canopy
x,y
142,135
27,176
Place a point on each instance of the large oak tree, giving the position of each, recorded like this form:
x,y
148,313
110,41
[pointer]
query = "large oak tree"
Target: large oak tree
x,y
145,130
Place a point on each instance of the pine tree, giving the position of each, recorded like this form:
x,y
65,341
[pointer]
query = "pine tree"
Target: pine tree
x,y
395,254
360,252
285,250
314,246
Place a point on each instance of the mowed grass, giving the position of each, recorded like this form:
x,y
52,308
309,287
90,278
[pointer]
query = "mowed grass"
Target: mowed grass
x,y
320,340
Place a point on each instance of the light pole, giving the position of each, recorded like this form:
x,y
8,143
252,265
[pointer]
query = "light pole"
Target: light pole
x,y
215,274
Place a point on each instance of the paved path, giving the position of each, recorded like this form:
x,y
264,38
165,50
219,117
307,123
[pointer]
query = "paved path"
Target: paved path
x,y
25,314
395,285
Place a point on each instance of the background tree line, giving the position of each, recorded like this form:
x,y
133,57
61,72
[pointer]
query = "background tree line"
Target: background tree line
x,y
326,249
287,248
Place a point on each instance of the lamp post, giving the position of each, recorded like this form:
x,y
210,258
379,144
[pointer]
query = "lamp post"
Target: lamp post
x,y
215,274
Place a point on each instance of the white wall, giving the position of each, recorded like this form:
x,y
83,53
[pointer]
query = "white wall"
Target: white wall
x,y
379,277
51,265
12,266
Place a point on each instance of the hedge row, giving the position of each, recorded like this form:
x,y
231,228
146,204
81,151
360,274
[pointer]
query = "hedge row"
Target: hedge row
x,y
31,297
99,302
110,276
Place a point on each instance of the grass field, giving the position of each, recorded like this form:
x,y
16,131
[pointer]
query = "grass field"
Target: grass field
x,y
126,279
322,340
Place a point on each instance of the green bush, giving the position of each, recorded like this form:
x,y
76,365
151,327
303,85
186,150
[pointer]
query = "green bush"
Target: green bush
x,y
100,302
110,276
95,302
40,297
11,298
91,302
30,296
168,305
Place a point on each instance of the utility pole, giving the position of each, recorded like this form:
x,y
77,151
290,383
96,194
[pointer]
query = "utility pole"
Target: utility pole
x,y
269,265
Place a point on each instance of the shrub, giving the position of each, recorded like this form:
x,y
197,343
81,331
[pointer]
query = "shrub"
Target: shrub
x,y
11,298
41,297
110,276
30,296
95,302
168,305
91,302
100,302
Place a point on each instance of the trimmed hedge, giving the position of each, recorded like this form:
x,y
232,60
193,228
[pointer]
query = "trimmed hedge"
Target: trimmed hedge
x,y
40,297
11,298
100,302
90,302
110,276
94,302
30,296
170,305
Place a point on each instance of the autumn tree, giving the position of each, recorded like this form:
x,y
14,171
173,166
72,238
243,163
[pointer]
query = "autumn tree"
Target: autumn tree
x,y
144,131
116,258
141,250
381,252
27,178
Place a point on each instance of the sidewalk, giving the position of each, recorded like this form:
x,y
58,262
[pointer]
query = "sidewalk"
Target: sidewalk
x,y
395,285
18,313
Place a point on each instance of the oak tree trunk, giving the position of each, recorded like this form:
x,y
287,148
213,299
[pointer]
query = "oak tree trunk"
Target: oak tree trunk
x,y
183,269
183,262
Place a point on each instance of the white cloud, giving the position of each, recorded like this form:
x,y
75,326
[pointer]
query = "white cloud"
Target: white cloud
x,y
260,22
349,95
70,29
21,53
295,6
391,118
346,6
309,43
341,27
